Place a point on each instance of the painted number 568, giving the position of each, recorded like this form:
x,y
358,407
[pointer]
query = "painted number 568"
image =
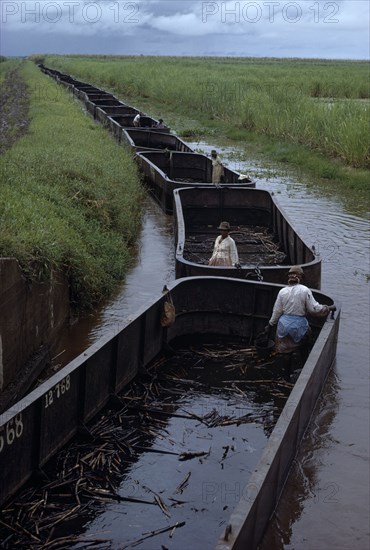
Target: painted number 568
x,y
12,431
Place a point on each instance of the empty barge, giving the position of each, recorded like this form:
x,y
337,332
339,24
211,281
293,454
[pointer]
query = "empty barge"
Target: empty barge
x,y
117,123
230,311
91,106
147,140
268,244
166,171
103,112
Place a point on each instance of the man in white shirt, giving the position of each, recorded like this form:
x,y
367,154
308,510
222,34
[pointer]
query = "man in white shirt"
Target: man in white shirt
x,y
225,252
217,168
292,305
136,121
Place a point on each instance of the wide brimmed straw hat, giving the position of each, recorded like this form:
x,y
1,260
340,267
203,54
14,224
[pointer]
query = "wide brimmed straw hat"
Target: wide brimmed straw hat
x,y
224,225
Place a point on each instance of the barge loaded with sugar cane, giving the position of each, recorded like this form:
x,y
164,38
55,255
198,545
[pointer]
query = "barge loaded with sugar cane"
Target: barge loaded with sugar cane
x,y
193,414
267,242
165,171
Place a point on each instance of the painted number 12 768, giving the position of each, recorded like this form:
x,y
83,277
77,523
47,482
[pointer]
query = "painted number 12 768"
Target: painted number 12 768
x,y
57,391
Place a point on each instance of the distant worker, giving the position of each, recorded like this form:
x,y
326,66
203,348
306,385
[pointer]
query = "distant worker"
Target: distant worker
x,y
224,251
292,305
137,121
217,168
160,124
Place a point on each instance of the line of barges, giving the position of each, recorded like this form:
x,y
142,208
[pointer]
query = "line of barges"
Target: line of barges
x,y
221,305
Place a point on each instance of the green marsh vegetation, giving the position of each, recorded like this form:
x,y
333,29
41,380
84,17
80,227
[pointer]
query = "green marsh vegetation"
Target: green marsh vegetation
x,y
70,196
313,114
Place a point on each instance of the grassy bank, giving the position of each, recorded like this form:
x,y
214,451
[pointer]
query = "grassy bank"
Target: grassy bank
x,y
322,106
14,106
7,65
71,198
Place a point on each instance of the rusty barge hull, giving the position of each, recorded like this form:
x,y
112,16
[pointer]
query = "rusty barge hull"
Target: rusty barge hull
x,y
207,206
39,425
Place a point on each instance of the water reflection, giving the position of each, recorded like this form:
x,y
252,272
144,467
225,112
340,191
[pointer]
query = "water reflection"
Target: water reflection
x,y
154,267
304,482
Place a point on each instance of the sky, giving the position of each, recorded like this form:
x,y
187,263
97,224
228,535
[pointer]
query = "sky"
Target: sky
x,y
259,28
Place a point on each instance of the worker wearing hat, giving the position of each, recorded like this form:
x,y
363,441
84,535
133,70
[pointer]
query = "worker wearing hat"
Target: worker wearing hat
x,y
225,252
292,305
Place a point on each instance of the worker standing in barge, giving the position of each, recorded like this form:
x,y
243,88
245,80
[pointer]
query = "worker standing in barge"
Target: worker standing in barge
x,y
218,171
292,305
225,252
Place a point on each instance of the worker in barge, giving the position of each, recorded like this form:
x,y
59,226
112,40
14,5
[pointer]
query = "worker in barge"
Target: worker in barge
x,y
225,252
292,305
160,124
217,168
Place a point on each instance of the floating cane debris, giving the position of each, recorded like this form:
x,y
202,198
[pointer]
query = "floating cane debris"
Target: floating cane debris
x,y
180,488
154,533
190,455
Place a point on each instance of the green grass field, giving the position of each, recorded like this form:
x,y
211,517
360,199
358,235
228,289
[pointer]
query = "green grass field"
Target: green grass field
x,y
70,196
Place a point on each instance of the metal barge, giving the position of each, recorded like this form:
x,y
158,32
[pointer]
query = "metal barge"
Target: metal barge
x,y
267,242
146,140
91,106
164,172
102,113
90,93
233,310
119,122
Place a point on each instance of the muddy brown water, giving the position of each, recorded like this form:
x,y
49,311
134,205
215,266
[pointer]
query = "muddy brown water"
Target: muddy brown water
x,y
326,500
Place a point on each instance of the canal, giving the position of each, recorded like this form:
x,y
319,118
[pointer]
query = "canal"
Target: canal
x,y
325,503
